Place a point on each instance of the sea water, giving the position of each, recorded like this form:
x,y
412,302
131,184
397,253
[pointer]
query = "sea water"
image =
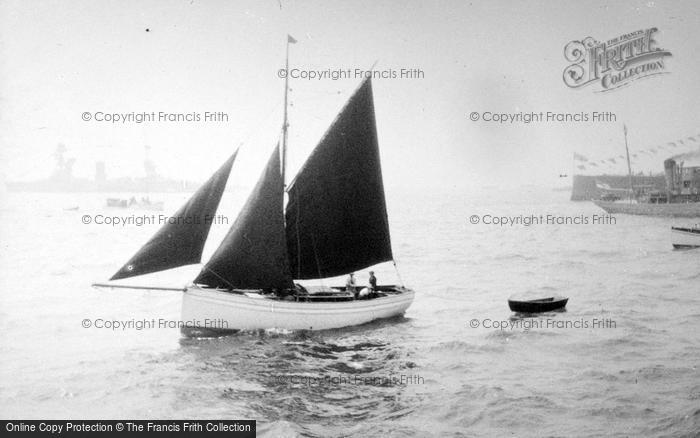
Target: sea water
x,y
622,360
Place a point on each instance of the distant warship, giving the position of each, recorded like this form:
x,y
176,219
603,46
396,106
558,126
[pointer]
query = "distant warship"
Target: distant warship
x,y
63,180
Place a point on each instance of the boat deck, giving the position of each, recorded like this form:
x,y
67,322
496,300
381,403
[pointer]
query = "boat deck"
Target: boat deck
x,y
325,294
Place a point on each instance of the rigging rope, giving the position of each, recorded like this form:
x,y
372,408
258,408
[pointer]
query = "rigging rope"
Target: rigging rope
x,y
219,277
318,265
298,231
398,274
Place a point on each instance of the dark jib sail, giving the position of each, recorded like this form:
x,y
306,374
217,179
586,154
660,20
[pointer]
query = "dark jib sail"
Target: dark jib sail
x,y
253,254
181,241
336,215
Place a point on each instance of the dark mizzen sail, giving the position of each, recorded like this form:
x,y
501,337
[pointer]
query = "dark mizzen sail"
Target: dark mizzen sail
x,y
253,254
336,215
181,243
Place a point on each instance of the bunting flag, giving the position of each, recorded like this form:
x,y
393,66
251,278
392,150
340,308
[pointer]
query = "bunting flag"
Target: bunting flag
x,y
651,152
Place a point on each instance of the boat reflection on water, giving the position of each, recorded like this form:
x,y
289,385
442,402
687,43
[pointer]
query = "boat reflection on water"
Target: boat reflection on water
x,y
524,316
215,331
303,381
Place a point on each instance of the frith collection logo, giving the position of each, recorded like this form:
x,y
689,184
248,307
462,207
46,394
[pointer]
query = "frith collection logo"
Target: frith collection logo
x,y
614,63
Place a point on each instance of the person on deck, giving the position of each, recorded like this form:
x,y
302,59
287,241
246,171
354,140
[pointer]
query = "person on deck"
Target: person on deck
x,y
372,284
350,284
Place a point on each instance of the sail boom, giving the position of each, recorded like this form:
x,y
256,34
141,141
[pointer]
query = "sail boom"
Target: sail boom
x,y
123,286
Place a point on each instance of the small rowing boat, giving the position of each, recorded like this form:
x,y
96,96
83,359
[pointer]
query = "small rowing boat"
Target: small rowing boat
x,y
537,305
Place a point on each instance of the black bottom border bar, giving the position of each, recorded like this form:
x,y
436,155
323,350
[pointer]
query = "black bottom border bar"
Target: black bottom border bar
x,y
184,428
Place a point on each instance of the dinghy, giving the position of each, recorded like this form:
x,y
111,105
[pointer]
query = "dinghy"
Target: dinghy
x,y
686,237
335,223
537,305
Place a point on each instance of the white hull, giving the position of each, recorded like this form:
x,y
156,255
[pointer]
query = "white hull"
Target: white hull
x,y
220,310
689,209
685,239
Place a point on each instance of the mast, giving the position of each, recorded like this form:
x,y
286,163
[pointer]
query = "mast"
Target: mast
x,y
629,167
285,124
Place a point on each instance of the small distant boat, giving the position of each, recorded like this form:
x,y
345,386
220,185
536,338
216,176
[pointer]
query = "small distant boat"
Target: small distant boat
x,y
117,203
143,204
537,305
686,238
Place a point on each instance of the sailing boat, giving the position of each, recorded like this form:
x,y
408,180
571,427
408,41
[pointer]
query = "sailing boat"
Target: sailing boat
x,y
335,223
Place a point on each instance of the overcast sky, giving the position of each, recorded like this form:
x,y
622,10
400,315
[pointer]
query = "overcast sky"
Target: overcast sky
x,y
60,59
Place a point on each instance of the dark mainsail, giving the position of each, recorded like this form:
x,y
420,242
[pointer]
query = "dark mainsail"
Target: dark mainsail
x,y
336,215
253,254
180,241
